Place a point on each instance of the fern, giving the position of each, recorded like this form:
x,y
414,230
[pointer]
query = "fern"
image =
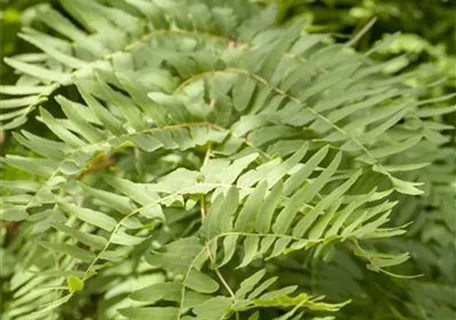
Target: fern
x,y
204,148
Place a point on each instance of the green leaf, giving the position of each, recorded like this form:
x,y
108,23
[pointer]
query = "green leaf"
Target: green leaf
x,y
329,200
299,177
111,122
95,218
395,148
233,171
229,247
138,93
431,112
242,92
279,172
45,169
112,200
158,313
220,215
126,239
249,284
254,316
60,131
271,61
39,41
213,308
46,309
245,219
200,282
77,119
124,104
43,147
407,187
72,251
74,283
177,255
286,216
21,102
137,192
38,72
262,288
83,237
250,250
24,90
158,291
266,210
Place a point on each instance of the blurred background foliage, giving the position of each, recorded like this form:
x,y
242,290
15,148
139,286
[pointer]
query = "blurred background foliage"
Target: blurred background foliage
x,y
14,15
430,20
427,40
427,31
427,27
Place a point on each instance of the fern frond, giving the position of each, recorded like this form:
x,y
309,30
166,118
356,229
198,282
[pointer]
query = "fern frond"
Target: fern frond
x,y
203,139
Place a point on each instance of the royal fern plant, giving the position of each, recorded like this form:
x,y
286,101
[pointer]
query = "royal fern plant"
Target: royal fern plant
x,y
202,163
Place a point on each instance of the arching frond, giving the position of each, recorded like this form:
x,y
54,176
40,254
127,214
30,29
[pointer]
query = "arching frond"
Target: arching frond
x,y
203,146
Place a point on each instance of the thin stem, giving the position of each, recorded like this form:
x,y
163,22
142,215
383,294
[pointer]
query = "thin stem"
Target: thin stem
x,y
207,156
211,257
279,91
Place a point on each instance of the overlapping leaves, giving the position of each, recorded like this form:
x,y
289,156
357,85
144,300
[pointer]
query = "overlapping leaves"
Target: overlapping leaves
x,y
292,145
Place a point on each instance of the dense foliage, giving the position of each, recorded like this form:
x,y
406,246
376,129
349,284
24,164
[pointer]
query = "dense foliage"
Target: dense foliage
x,y
225,159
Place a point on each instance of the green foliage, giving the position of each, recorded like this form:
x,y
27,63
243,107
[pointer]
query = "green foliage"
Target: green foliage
x,y
427,29
405,16
14,15
200,162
